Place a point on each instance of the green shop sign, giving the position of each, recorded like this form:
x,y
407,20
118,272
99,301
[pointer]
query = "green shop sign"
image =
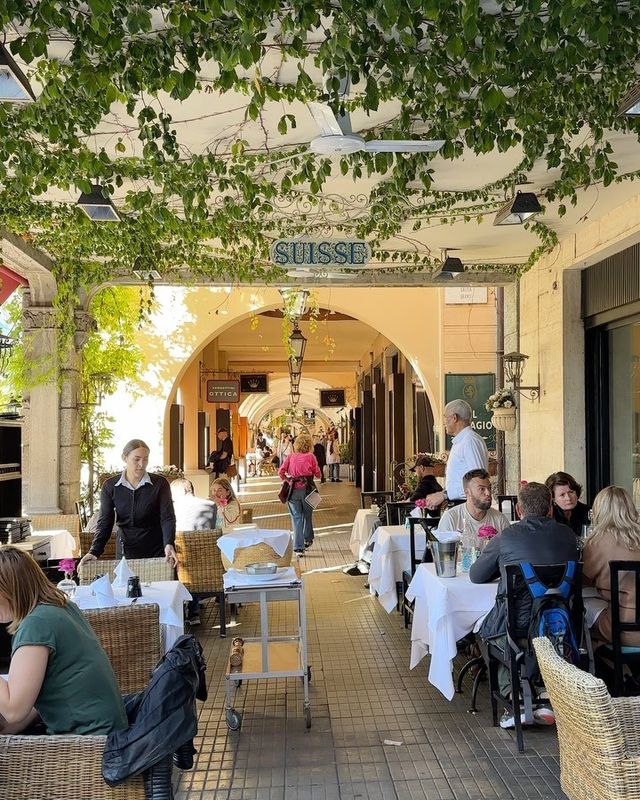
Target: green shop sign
x,y
474,389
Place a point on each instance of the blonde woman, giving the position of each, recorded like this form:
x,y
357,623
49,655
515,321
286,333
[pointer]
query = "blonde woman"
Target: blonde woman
x,y
615,537
229,510
59,673
302,467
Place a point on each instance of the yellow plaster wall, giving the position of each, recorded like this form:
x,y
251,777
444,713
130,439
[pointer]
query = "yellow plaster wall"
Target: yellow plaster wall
x,y
551,334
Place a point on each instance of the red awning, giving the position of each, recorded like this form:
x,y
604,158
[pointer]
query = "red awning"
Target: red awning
x,y
9,282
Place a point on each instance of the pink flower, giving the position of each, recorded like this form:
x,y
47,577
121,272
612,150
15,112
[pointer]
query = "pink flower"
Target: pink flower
x,y
421,503
67,565
222,502
487,532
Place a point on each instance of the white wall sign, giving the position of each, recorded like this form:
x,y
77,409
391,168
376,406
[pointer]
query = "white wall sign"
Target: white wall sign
x,y
287,253
455,295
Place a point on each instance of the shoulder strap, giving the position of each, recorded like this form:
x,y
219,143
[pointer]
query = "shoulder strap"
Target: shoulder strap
x,y
539,589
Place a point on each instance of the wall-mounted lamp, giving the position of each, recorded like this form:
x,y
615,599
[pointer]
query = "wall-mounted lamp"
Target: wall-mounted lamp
x,y
12,409
6,346
513,365
450,267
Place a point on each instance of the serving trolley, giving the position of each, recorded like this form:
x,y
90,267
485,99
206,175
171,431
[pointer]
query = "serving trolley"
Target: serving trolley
x,y
269,656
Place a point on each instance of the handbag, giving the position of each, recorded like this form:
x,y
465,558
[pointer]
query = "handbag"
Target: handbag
x,y
232,471
285,491
313,499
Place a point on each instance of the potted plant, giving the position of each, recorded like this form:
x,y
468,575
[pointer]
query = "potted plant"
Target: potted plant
x,y
503,406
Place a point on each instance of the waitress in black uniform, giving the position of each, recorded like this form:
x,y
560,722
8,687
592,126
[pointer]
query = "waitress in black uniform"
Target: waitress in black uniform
x,y
142,504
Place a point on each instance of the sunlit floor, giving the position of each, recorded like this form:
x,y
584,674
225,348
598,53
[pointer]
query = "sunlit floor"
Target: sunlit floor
x,y
362,694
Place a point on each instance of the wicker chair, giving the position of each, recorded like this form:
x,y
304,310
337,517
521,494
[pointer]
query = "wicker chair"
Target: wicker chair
x,y
86,538
60,767
147,569
130,636
57,522
200,567
599,735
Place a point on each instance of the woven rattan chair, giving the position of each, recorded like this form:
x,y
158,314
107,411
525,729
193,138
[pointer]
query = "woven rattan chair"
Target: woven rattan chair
x,y
57,522
130,636
147,569
60,767
200,567
599,735
86,538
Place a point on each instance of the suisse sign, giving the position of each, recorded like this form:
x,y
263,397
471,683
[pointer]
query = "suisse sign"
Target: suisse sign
x,y
287,253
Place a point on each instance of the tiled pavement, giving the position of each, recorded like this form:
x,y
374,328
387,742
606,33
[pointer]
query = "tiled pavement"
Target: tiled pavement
x,y
362,693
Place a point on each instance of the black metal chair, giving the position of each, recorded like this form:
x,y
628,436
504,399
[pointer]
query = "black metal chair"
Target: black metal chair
x,y
372,496
522,671
398,511
417,557
617,653
512,499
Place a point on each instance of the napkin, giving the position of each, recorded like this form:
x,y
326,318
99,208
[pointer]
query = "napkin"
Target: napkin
x,y
447,536
123,573
276,539
103,592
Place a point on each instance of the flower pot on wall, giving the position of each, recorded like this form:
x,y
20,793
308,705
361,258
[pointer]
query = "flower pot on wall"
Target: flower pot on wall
x,y
504,419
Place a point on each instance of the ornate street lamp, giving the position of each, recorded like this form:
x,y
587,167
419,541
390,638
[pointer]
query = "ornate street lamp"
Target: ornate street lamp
x,y
297,343
513,365
6,346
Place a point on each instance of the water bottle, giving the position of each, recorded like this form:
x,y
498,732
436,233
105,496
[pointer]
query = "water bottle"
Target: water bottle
x,y
468,547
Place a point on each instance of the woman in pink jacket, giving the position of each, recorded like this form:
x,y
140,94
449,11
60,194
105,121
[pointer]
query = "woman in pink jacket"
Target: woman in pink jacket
x,y
303,467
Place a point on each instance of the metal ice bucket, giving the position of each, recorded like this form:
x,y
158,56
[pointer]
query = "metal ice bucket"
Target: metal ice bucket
x,y
445,557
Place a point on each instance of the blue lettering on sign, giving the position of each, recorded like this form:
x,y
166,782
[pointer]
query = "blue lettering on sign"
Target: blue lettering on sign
x,y
307,252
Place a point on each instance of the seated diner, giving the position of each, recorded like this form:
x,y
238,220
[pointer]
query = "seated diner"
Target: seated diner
x,y
59,674
567,508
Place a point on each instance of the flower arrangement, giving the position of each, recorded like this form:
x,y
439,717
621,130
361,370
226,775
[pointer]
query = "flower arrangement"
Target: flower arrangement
x,y
487,532
68,566
421,503
503,398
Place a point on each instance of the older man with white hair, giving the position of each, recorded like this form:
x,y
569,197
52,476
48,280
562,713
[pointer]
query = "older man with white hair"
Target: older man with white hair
x,y
468,451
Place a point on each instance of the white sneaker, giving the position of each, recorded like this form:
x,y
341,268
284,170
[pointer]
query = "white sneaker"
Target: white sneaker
x,y
508,720
544,716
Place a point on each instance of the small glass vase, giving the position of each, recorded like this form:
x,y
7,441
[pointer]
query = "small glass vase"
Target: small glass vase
x,y
68,586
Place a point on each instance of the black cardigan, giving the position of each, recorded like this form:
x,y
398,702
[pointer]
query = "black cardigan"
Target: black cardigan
x,y
146,518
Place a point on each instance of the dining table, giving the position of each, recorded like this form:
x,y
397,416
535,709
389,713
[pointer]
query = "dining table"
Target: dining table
x,y
169,595
390,558
61,542
361,531
445,610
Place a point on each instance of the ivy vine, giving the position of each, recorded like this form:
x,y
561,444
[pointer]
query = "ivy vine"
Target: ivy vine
x,y
543,77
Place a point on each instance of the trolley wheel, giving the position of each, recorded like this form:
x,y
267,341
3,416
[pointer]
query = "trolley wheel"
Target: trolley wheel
x,y
234,719
307,716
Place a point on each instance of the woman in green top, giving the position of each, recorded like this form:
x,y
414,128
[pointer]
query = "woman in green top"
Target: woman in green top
x,y
58,672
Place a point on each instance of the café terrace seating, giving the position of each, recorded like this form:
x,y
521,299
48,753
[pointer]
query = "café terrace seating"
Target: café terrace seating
x,y
86,537
200,567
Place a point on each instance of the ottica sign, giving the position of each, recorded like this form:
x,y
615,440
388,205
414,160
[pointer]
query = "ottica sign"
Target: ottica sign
x,y
223,391
287,253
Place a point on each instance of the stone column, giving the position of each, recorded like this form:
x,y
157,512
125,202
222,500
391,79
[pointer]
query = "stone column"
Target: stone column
x,y
41,431
511,343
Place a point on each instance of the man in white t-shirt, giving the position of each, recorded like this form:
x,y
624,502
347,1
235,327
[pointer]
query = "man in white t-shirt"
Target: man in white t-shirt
x,y
476,511
468,451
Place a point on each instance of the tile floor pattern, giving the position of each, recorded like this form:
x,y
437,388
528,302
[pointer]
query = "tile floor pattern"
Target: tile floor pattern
x,y
362,693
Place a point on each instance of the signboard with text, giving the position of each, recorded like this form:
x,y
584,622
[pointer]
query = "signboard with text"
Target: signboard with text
x,y
291,253
475,389
219,391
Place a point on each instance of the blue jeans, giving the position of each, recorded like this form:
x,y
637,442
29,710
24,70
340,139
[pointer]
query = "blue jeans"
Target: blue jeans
x,y
301,514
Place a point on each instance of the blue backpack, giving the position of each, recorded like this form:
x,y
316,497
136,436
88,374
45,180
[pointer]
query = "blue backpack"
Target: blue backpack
x,y
551,612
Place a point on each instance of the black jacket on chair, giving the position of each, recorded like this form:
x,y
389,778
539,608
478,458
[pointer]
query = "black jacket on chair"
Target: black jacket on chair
x,y
162,718
539,540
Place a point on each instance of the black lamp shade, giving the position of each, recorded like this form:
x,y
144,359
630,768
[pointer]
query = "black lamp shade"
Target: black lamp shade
x,y
518,210
98,207
298,343
14,86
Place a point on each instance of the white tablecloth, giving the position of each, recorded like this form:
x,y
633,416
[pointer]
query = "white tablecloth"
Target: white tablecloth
x,y
277,539
361,530
391,556
446,609
62,542
169,595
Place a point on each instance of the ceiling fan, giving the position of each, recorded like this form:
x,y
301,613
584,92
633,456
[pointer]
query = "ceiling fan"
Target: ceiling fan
x,y
337,137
